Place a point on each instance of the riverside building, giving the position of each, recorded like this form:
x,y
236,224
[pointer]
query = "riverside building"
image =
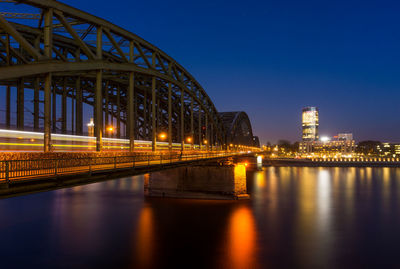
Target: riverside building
x,y
341,145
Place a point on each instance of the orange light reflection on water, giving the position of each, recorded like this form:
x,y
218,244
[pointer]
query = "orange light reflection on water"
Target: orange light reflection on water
x,y
260,180
242,239
144,244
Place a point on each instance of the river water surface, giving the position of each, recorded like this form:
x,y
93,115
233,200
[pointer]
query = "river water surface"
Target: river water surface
x,y
297,217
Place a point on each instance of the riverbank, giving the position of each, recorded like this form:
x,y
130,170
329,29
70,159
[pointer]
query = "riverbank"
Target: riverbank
x,y
373,162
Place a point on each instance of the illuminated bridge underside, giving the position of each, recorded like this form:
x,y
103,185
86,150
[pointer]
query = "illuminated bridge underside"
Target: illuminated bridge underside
x,y
63,65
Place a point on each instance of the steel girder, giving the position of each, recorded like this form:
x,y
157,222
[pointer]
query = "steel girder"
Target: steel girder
x,y
238,127
68,44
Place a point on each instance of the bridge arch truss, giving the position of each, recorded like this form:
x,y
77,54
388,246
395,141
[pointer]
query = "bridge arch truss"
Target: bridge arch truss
x,y
238,129
63,55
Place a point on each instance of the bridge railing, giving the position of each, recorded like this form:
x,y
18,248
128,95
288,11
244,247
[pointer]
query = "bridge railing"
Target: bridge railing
x,y
19,170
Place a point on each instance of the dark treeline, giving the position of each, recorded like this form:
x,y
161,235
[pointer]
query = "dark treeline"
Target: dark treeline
x,y
288,146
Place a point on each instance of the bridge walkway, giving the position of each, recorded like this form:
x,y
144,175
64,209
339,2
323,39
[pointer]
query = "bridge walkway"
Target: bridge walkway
x,y
17,171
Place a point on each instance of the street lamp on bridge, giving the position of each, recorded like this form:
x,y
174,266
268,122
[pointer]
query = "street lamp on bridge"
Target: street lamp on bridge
x,y
162,136
110,129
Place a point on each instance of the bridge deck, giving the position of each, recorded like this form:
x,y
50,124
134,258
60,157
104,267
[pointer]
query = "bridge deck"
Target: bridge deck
x,y
19,170
25,176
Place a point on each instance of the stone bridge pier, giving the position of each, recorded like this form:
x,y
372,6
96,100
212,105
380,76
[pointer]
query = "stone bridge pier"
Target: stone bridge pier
x,y
220,180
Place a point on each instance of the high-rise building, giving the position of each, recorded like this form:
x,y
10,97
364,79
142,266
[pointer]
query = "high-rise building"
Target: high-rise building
x,y
310,123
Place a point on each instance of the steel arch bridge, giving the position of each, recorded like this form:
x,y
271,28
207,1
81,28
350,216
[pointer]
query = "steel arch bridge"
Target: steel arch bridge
x,y
238,129
63,57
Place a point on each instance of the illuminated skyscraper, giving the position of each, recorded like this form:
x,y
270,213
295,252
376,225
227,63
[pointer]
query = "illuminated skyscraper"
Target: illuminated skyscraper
x,y
310,123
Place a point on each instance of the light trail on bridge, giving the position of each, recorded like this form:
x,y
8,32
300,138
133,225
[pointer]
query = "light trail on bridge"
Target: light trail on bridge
x,y
11,140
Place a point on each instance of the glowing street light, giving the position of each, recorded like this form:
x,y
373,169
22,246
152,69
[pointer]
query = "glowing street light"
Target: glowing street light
x,y
162,136
110,129
205,142
189,139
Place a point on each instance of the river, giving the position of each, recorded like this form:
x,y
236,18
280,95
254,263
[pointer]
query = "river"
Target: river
x,y
297,217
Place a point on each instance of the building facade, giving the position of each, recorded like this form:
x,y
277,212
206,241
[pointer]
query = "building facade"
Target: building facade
x,y
340,145
310,123
387,149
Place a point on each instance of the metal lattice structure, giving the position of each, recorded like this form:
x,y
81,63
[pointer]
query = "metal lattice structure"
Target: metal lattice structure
x,y
238,129
59,50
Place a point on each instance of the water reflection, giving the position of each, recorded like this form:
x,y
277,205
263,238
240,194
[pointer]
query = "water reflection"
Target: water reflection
x,y
145,238
306,213
241,241
77,215
260,180
324,200
324,215
296,218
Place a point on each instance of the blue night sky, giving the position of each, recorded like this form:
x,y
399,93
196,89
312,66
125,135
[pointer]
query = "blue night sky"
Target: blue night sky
x,y
271,58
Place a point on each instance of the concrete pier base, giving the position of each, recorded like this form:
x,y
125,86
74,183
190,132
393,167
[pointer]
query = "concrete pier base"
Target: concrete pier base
x,y
198,182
